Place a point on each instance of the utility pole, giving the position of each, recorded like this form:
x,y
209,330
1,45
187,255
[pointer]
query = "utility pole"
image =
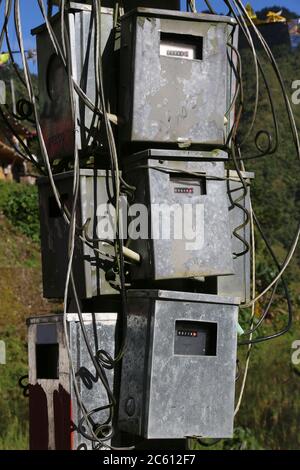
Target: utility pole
x,y
150,322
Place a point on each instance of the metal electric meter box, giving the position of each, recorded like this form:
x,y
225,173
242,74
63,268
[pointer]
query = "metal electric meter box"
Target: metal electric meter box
x,y
240,283
176,78
57,123
178,221
89,266
54,412
179,368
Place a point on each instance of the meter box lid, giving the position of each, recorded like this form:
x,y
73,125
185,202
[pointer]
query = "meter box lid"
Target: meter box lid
x,y
176,81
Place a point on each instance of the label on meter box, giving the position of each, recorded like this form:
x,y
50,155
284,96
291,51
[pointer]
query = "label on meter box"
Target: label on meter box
x,y
178,51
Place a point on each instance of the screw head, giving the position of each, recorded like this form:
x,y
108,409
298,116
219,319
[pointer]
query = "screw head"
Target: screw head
x,y
130,406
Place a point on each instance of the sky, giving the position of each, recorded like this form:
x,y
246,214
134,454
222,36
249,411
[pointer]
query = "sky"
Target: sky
x,y
31,16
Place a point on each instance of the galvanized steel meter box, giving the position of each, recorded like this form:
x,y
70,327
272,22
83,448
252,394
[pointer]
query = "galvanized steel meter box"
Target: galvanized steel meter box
x,y
89,267
58,126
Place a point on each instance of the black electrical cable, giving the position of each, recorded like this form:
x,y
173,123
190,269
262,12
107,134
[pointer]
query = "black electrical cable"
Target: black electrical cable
x,y
278,74
243,26
96,363
242,197
24,387
25,110
102,359
95,119
239,89
287,295
271,149
58,50
232,136
27,77
113,157
236,230
49,8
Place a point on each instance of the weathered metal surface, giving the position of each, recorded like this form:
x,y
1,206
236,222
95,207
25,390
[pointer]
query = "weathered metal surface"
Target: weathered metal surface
x,y
89,267
57,123
239,284
166,395
101,330
165,97
161,189
61,407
